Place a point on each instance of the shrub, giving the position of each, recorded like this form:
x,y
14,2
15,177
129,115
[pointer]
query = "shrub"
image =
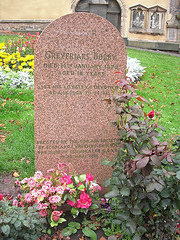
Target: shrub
x,y
16,223
144,193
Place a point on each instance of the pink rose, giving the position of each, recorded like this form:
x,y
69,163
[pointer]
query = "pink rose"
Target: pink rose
x,y
56,215
151,114
85,201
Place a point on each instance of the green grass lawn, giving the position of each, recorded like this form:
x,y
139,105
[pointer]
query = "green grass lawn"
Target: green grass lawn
x,y
159,85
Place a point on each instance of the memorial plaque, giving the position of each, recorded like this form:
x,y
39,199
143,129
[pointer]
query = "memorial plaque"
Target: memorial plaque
x,y
76,58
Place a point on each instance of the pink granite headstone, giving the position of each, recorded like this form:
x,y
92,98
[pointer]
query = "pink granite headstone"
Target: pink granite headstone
x,y
75,60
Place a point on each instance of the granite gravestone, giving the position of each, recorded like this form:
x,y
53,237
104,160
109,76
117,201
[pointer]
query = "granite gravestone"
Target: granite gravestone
x,y
75,60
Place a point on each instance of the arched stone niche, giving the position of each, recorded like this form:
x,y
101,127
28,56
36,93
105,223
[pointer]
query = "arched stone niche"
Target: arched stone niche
x,y
113,6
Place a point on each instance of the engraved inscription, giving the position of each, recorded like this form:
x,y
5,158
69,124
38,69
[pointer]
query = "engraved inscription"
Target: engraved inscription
x,y
75,148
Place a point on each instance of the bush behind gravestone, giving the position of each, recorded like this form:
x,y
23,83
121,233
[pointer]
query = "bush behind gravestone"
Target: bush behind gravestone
x,y
144,191
17,224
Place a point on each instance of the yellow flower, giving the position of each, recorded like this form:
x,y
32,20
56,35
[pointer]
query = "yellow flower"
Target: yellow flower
x,y
20,67
1,63
14,65
23,64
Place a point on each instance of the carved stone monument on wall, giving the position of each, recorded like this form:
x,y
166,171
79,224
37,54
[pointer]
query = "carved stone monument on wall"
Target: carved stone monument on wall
x,y
75,60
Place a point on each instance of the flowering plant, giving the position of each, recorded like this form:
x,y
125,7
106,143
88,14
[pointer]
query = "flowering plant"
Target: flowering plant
x,y
134,69
59,186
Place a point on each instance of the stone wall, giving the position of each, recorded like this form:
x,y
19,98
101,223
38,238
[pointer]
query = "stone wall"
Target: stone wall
x,y
23,25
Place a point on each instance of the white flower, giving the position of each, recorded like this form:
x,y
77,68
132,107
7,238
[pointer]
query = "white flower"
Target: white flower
x,y
135,70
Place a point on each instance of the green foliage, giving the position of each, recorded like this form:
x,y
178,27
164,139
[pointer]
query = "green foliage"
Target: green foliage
x,y
144,188
15,223
87,226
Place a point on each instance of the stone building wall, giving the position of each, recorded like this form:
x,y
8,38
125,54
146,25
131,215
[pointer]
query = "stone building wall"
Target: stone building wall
x,y
34,15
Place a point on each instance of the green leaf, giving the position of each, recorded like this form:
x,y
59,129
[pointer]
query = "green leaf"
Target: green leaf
x,y
6,229
142,163
81,187
107,162
49,231
136,237
17,224
68,231
26,223
7,219
178,175
138,157
111,194
125,191
165,193
61,220
107,182
94,206
165,202
74,224
76,179
150,187
132,226
146,151
89,233
154,141
122,216
130,149
158,187
74,211
155,160
116,221
136,211
70,186
135,127
82,177
141,229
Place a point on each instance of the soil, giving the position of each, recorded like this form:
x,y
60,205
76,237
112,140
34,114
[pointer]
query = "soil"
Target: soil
x,y
7,185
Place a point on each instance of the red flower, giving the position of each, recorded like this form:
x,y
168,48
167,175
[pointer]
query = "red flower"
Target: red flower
x,y
1,196
151,114
56,215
